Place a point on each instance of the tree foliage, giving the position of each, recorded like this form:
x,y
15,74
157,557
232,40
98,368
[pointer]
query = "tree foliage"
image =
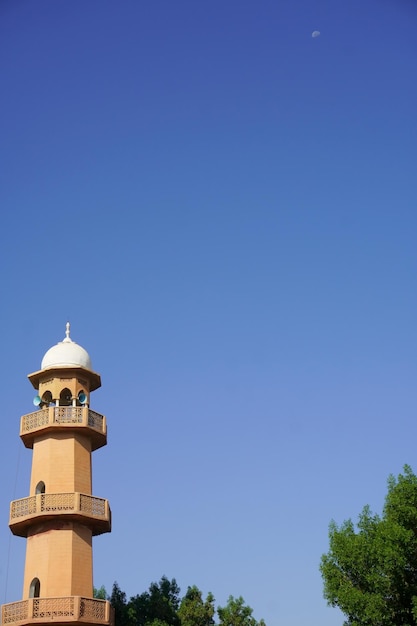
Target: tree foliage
x,y
161,605
156,607
100,594
194,611
237,613
370,571
119,603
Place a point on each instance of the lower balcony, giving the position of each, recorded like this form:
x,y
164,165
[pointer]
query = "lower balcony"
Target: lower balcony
x,y
76,507
72,609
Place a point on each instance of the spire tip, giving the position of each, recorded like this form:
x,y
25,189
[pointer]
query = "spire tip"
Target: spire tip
x,y
67,332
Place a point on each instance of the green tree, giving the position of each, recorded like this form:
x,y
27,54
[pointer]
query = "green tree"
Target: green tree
x,y
100,594
236,613
119,603
194,611
159,604
370,571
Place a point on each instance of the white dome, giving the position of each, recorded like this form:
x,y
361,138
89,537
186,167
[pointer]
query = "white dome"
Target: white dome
x,y
66,353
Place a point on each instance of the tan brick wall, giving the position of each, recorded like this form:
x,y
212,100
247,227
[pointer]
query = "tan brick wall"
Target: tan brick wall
x,y
60,555
63,462
82,566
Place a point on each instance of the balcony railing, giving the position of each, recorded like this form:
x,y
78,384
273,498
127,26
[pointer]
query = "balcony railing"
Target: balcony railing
x,y
74,609
89,510
61,417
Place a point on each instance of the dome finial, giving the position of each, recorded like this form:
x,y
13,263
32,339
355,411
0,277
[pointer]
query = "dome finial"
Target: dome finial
x,y
67,333
66,353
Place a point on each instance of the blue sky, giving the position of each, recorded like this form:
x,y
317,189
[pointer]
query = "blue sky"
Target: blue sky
x,y
225,209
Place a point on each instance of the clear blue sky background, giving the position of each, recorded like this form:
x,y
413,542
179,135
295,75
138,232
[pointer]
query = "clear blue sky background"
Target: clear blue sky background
x,y
225,209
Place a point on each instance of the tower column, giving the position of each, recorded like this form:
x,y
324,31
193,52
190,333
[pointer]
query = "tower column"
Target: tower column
x,y
60,515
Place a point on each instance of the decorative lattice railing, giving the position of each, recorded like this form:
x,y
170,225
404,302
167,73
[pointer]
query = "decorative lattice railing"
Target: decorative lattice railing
x,y
62,415
53,608
14,612
45,503
68,609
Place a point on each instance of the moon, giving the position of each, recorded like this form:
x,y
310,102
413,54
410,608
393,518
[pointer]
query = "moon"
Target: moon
x,y
315,33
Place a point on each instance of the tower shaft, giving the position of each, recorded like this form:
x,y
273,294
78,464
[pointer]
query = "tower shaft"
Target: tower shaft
x,y
61,515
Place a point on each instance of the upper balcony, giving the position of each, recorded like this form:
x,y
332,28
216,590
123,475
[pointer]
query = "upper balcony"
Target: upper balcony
x,y
79,507
67,610
55,418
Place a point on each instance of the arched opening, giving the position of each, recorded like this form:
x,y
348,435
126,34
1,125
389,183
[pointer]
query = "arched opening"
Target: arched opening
x,y
35,588
65,397
47,398
40,487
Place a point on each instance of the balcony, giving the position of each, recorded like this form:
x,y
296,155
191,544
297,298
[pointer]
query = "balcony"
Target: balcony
x,y
60,418
72,609
76,507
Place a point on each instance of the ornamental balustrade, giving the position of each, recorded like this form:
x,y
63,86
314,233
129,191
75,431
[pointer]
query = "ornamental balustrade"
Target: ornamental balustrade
x,y
62,415
66,609
77,507
59,503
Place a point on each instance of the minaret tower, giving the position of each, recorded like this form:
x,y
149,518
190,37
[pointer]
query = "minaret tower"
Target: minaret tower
x,y
60,516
